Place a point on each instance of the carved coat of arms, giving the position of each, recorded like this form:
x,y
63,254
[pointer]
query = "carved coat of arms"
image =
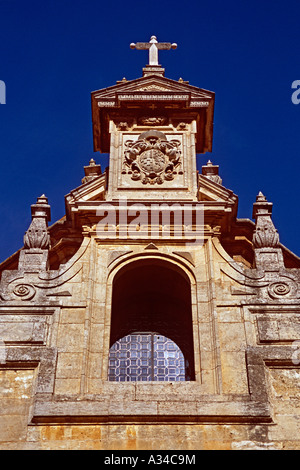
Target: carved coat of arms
x,y
152,158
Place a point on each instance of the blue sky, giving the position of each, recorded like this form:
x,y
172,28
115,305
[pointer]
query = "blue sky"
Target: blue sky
x,y
54,54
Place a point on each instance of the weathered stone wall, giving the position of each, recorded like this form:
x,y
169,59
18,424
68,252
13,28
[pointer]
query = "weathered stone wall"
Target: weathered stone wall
x,y
53,377
283,435
56,294
16,398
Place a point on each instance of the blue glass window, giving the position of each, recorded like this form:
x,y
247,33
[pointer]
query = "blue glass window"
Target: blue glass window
x,y
146,357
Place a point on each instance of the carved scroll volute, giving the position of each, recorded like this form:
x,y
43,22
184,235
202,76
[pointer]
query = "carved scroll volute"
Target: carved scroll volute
x,y
265,234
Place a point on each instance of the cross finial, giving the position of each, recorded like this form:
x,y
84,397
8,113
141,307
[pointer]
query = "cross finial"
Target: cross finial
x,y
153,45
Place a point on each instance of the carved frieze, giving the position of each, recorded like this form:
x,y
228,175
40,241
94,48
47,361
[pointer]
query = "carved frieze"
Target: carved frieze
x,y
152,159
152,87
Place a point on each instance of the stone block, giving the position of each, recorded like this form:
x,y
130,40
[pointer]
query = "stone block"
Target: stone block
x,y
30,330
96,338
177,408
127,407
84,433
70,337
67,386
95,365
229,315
232,337
234,374
69,365
13,428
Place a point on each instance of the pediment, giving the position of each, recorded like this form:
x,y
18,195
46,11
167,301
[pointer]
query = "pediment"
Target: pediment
x,y
127,98
210,191
87,193
152,84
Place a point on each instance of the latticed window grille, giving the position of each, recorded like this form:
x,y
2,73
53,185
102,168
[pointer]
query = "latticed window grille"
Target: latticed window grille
x,y
146,357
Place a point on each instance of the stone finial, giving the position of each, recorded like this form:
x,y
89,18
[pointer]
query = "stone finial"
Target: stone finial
x,y
211,172
180,80
91,171
267,252
265,234
34,255
37,235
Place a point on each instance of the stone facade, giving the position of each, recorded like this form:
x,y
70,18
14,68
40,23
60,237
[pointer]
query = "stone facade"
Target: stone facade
x,y
151,237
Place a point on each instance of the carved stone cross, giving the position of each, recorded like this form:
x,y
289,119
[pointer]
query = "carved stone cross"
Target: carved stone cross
x,y
153,45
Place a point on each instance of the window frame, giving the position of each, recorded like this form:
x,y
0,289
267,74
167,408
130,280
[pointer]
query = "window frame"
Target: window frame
x,y
151,359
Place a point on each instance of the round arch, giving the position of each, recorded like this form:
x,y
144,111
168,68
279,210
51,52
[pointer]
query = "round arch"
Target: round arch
x,y
176,263
152,296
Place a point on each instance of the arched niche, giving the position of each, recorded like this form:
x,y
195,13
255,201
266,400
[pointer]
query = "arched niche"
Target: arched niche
x,y
151,299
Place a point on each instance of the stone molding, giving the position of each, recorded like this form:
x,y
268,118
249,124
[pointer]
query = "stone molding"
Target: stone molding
x,y
41,357
171,403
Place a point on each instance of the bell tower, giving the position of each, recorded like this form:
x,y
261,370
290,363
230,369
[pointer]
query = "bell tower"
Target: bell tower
x,y
152,127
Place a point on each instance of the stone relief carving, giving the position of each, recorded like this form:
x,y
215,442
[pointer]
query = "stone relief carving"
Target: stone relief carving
x,y
282,288
152,158
37,236
24,291
152,120
182,126
264,283
123,126
21,290
29,286
32,280
265,236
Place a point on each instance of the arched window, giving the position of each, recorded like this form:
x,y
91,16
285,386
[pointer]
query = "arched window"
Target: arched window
x,y
146,357
151,324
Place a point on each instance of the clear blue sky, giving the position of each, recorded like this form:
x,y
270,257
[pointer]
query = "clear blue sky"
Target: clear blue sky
x,y
54,53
